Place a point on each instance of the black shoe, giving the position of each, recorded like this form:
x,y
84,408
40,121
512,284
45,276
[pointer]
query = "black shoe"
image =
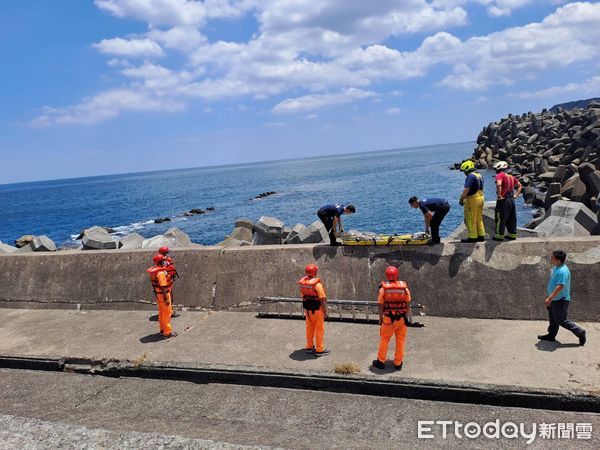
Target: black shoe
x,y
323,353
175,314
309,350
481,239
546,337
468,241
172,335
378,364
399,366
498,239
510,238
582,339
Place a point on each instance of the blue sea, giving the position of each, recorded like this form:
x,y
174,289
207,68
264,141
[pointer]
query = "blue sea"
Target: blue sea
x,y
377,183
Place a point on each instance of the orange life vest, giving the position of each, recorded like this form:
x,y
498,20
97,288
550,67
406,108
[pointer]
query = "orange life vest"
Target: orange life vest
x,y
153,272
170,268
395,298
308,291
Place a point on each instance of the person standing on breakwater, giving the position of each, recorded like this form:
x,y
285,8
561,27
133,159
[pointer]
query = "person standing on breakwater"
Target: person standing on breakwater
x,y
558,300
170,267
434,210
161,283
331,216
314,303
506,210
472,200
394,315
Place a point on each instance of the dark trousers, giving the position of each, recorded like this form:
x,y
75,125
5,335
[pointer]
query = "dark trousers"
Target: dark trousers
x,y
328,222
435,223
506,218
557,313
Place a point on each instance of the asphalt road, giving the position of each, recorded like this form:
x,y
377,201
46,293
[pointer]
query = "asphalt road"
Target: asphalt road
x,y
63,410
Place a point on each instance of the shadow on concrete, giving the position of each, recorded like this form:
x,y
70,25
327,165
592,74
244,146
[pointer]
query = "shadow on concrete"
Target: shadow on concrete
x,y
490,246
154,337
547,346
301,355
325,250
463,251
153,318
389,368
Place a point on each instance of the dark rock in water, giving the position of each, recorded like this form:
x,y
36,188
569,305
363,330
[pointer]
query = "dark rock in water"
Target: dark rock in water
x,y
210,208
264,194
161,220
196,211
24,240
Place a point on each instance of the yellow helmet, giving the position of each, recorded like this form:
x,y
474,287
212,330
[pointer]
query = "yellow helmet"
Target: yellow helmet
x,y
467,166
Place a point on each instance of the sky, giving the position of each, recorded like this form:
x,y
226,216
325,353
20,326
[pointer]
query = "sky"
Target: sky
x,y
91,87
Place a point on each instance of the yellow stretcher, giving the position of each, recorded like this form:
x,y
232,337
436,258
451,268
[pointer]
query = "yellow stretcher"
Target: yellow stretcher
x,y
387,239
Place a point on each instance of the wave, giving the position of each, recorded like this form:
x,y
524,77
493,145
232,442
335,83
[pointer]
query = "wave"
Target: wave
x,y
123,230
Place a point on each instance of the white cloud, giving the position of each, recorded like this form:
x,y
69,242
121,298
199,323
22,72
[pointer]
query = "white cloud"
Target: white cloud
x,y
105,105
312,102
567,36
392,111
174,12
589,86
317,54
129,47
495,8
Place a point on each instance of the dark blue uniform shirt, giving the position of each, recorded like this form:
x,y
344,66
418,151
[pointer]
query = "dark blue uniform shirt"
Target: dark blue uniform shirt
x,y
433,204
474,183
332,210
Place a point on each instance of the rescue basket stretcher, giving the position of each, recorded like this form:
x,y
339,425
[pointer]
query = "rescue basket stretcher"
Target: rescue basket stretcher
x,y
360,311
365,239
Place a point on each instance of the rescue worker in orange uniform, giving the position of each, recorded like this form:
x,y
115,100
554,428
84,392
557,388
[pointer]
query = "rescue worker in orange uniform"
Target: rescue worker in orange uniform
x,y
170,267
394,315
162,283
314,302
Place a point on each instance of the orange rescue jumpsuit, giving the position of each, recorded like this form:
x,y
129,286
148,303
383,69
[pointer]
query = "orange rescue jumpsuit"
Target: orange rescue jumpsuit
x,y
313,302
170,268
394,296
160,279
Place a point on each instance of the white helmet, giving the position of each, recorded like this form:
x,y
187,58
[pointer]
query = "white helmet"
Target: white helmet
x,y
501,165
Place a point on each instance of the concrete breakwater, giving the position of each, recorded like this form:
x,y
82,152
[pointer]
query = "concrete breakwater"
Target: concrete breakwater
x,y
556,155
487,280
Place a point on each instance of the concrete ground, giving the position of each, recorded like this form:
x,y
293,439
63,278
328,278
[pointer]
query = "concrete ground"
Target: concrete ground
x,y
468,351
46,410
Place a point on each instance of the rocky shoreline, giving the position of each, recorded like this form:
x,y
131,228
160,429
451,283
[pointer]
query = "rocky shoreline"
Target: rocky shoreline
x,y
556,155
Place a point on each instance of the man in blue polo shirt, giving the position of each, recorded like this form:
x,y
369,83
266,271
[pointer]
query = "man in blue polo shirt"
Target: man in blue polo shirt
x,y
330,215
434,210
558,299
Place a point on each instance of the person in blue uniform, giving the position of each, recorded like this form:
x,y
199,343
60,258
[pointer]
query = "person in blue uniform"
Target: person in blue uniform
x,y
434,210
331,216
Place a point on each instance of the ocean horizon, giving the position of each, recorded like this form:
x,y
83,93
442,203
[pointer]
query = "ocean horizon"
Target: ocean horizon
x,y
378,183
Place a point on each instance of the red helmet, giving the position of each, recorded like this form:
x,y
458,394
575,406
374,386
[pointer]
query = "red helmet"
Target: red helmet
x,y
311,270
163,250
391,273
158,258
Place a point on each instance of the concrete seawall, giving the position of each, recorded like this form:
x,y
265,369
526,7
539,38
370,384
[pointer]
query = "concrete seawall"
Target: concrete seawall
x,y
490,280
